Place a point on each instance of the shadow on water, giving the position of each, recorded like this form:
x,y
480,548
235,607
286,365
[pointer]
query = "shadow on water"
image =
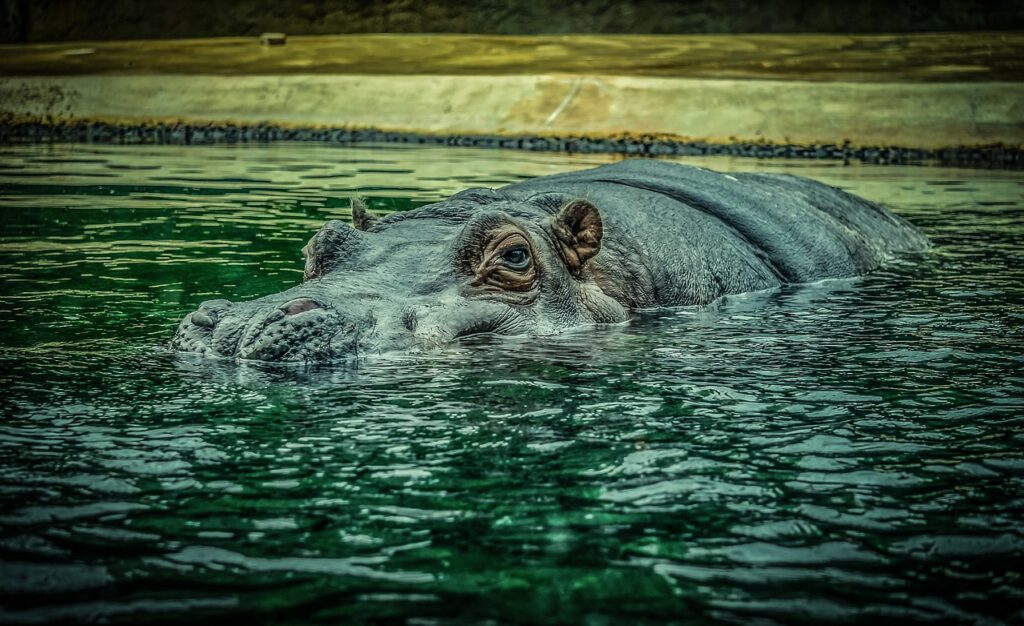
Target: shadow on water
x,y
843,451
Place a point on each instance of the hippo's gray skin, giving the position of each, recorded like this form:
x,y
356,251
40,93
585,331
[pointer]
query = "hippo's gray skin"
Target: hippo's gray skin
x,y
549,254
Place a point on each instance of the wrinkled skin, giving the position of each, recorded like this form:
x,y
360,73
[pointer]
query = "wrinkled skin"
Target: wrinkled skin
x,y
549,254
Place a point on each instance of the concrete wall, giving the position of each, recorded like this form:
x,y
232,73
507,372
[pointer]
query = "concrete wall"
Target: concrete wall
x,y
923,115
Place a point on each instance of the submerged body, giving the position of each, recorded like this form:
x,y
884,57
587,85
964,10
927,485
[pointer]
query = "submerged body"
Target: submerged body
x,y
549,254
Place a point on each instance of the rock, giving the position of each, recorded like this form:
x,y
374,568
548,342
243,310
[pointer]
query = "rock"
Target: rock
x,y
273,39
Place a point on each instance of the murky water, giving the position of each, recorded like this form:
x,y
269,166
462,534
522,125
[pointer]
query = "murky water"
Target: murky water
x,y
850,451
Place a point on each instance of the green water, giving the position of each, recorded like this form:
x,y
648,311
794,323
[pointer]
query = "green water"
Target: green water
x,y
850,451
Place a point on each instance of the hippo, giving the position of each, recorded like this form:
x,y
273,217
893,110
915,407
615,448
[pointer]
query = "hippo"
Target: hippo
x,y
549,254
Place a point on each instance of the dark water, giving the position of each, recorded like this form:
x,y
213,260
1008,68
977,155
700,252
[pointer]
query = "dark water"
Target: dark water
x,y
850,451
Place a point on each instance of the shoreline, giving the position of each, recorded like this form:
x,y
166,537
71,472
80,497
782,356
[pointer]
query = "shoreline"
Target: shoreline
x,y
88,132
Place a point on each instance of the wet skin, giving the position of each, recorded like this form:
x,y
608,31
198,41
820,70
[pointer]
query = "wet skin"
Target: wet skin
x,y
550,254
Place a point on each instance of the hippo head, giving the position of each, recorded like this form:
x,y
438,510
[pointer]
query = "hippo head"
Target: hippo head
x,y
476,263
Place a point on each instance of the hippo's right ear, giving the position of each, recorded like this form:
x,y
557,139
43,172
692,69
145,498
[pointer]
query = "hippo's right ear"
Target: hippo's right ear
x,y
578,230
361,218
335,241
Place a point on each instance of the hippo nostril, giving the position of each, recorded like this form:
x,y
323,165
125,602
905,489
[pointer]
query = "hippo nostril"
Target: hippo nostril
x,y
300,305
208,313
204,319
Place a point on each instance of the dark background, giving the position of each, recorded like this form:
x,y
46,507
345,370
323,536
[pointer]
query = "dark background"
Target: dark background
x,y
71,20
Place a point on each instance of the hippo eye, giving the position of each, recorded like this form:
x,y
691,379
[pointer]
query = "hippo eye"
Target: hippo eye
x,y
504,265
516,258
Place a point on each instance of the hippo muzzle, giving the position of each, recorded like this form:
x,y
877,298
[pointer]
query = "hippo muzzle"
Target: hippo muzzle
x,y
297,329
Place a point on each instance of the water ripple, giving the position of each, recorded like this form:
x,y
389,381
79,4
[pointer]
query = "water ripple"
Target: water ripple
x,y
845,451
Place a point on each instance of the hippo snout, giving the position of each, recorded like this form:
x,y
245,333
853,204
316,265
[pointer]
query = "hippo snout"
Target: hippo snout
x,y
297,329
198,331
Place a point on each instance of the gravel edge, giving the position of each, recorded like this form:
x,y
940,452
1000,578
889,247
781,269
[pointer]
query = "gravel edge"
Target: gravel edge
x,y
991,156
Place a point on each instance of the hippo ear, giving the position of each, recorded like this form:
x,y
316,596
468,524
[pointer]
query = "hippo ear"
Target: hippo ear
x,y
578,231
332,243
361,218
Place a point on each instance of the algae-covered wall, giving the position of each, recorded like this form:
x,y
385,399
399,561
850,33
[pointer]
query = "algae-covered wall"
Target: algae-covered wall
x,y
71,20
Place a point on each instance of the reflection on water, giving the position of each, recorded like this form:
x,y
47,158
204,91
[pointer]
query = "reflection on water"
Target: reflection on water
x,y
844,451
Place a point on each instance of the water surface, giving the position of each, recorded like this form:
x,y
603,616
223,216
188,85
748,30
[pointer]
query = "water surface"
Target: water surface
x,y
848,451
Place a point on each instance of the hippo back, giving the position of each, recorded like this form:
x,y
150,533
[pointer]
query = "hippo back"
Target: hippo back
x,y
704,234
